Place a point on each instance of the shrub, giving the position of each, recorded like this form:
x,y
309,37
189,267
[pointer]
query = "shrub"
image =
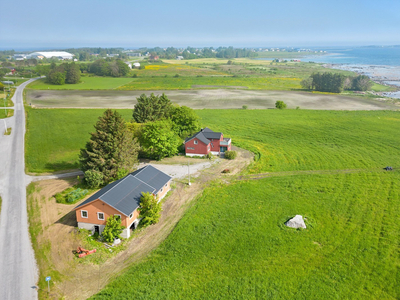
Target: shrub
x,y
176,75
134,75
75,195
150,209
244,106
94,178
209,155
226,171
280,104
113,229
230,154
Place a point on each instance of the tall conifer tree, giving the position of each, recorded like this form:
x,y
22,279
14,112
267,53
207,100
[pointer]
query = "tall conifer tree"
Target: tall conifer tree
x,y
111,150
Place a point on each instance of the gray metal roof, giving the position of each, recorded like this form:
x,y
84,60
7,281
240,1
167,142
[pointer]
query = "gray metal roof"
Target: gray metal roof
x,y
209,134
205,135
124,194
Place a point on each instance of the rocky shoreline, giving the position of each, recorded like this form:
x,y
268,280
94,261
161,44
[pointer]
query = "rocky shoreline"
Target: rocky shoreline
x,y
385,75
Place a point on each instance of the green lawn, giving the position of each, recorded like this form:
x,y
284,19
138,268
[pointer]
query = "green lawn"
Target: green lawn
x,y
87,83
233,245
54,137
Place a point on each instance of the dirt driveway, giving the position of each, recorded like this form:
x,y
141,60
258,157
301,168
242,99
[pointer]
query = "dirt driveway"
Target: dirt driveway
x,y
80,281
204,98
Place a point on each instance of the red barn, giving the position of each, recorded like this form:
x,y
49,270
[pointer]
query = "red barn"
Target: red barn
x,y
206,141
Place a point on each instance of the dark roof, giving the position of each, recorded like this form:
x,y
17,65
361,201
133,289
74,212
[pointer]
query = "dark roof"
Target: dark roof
x,y
205,135
124,194
208,133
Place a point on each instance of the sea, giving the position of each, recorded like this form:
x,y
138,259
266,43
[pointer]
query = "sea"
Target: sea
x,y
380,63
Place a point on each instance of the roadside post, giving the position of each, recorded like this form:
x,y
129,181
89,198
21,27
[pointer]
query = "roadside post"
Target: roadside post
x,y
189,170
5,125
48,278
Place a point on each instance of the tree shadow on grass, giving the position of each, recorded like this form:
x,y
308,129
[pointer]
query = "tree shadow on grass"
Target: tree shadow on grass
x,y
60,166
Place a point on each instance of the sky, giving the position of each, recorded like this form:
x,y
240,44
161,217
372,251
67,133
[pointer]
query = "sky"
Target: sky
x,y
43,24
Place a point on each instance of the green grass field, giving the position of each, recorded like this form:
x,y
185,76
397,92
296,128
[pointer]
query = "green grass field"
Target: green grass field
x,y
311,140
180,83
232,243
54,137
285,140
87,83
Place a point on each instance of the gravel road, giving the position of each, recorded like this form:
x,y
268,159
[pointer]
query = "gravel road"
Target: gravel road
x,y
18,271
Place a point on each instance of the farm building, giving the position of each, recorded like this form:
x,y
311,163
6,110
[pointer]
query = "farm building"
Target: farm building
x,y
136,65
206,141
122,198
57,54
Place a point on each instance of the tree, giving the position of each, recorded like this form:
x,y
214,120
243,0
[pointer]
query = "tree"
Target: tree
x,y
328,82
123,68
152,108
361,83
73,74
158,140
307,83
150,209
56,77
111,148
280,105
1,86
185,120
113,229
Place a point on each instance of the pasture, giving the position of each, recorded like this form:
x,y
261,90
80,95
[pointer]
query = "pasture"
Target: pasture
x,y
287,140
232,244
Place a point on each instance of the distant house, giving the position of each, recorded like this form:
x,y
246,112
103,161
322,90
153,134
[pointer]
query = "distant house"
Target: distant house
x,y
179,57
122,198
136,65
207,141
153,57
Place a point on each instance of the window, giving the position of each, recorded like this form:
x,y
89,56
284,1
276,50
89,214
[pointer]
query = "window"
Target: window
x,y
196,142
166,184
100,216
84,213
130,216
161,190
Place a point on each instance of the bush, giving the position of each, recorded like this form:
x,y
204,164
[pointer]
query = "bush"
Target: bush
x,y
150,209
244,106
176,75
209,155
226,171
75,195
280,104
94,179
113,229
230,154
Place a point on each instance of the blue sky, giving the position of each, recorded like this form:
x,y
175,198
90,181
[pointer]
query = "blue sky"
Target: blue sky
x,y
58,24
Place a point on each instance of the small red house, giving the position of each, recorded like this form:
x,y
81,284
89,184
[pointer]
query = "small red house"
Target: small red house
x,y
206,141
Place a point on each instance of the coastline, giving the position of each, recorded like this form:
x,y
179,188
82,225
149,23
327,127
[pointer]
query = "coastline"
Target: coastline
x,y
385,75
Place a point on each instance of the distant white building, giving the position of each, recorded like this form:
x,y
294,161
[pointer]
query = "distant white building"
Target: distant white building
x,y
136,65
19,56
179,57
57,54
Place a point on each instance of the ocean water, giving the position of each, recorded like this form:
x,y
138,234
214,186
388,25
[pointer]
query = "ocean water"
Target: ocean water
x,y
376,56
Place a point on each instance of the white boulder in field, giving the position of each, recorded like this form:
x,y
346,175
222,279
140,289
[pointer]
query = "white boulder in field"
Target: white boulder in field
x,y
296,222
